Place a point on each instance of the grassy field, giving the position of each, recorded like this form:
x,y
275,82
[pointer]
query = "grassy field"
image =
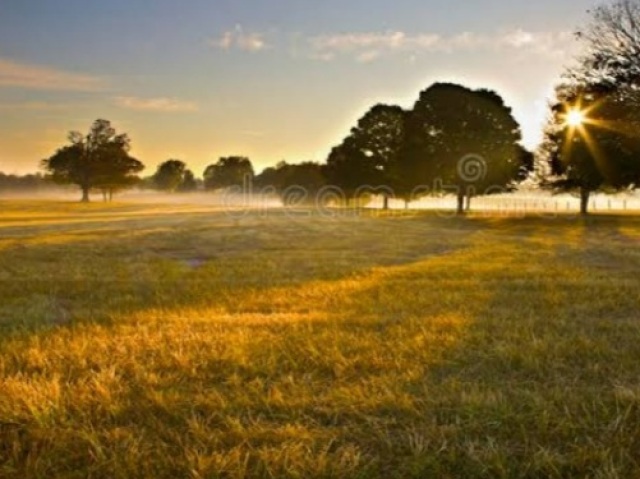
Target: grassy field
x,y
180,342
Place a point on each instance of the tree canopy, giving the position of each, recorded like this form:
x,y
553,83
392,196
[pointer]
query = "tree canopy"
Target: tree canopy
x,y
462,141
233,171
189,182
592,140
600,149
612,46
294,183
169,175
365,159
100,159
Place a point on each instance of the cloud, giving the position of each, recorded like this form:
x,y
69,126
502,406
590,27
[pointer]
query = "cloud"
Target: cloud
x,y
239,39
520,38
353,42
369,46
169,105
39,77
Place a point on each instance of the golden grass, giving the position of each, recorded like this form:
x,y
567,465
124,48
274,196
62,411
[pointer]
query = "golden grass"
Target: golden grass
x,y
186,343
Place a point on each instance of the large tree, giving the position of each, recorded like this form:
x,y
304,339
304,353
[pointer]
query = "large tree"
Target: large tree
x,y
463,141
169,175
229,172
366,157
100,159
612,46
592,141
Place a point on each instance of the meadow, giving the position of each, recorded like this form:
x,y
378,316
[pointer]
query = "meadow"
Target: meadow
x,y
180,341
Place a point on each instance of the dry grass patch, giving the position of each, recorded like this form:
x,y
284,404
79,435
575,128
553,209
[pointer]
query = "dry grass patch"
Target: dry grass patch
x,y
369,346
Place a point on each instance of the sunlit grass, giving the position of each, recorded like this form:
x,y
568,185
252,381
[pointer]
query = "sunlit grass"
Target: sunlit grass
x,y
199,345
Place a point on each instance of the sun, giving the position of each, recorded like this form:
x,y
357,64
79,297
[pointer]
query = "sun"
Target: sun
x,y
575,118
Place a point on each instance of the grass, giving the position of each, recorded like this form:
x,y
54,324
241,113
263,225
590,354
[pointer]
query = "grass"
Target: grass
x,y
154,341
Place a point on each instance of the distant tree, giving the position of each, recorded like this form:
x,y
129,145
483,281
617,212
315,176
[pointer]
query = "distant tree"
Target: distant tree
x,y
228,172
467,140
366,158
592,141
612,46
147,183
99,159
169,175
294,183
26,183
189,182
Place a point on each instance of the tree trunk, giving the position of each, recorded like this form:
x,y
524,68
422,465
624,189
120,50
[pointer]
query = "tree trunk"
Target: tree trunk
x,y
584,201
460,209
85,194
104,196
110,195
385,202
467,207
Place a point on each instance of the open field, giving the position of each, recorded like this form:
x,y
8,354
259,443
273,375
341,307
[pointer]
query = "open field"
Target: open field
x,y
180,342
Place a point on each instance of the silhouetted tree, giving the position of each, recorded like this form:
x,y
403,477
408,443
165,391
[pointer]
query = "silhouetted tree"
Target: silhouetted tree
x,y
189,182
294,183
603,152
612,46
169,175
17,183
99,159
228,172
463,141
366,157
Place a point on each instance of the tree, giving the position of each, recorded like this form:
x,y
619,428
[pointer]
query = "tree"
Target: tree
x,y
228,172
16,183
592,141
99,159
169,175
612,46
189,182
295,184
464,141
365,159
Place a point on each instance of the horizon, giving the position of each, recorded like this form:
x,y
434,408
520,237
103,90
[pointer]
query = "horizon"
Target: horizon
x,y
270,82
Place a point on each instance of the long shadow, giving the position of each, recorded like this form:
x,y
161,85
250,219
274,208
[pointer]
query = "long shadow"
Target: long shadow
x,y
360,361
465,369
535,386
205,260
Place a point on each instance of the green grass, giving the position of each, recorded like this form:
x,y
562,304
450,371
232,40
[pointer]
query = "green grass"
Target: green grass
x,y
154,341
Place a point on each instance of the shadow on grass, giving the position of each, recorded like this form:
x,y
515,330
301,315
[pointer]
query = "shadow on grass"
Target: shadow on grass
x,y
476,355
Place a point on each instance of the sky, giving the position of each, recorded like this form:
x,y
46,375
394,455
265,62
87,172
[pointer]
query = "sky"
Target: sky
x,y
269,79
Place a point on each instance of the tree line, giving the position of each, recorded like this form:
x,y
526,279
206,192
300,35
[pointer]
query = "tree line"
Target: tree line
x,y
454,141
391,151
20,183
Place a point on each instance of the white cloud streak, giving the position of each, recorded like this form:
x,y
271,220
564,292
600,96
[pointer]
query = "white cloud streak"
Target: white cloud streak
x,y
38,77
240,40
166,105
367,47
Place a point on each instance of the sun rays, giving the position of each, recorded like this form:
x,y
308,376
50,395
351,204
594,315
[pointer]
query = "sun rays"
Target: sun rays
x,y
580,122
